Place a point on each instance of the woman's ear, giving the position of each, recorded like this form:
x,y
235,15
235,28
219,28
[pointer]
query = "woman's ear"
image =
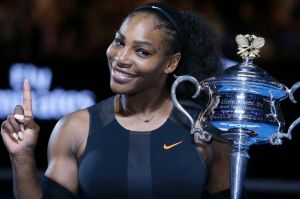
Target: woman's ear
x,y
173,63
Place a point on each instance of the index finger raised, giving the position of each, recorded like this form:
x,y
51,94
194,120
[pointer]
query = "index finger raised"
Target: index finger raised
x,y
27,100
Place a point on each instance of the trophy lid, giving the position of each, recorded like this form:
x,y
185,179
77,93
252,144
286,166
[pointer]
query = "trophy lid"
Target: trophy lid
x,y
247,77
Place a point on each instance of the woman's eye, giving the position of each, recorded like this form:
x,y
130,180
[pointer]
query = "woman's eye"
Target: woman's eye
x,y
143,53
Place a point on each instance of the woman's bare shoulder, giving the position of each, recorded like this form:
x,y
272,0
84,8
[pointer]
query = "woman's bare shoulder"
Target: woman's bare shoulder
x,y
73,123
70,132
75,120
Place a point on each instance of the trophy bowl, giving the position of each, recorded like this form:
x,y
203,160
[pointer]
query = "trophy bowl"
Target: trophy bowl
x,y
244,104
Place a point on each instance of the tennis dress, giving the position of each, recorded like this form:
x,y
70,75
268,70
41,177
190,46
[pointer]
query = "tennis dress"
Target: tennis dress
x,y
120,164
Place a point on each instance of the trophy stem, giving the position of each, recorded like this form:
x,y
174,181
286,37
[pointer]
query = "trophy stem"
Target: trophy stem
x,y
239,162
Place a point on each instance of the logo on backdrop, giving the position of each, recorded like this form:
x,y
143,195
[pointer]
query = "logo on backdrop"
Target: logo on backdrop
x,y
46,104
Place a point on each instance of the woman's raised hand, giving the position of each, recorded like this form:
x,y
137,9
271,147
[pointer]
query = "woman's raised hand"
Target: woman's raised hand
x,y
19,131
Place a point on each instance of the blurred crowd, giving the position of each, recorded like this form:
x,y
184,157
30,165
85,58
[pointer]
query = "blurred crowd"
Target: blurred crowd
x,y
79,29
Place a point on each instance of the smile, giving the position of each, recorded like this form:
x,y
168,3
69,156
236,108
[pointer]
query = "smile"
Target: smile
x,y
120,76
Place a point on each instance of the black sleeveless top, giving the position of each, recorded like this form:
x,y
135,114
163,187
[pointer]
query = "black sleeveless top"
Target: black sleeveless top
x,y
120,164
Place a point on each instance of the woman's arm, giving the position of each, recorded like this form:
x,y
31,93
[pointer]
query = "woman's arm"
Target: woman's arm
x,y
20,134
66,144
25,176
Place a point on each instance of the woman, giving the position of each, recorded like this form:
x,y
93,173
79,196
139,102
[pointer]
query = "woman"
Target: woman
x,y
134,144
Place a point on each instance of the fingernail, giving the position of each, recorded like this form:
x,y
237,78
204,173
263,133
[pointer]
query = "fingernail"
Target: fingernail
x,y
20,135
15,136
22,127
19,117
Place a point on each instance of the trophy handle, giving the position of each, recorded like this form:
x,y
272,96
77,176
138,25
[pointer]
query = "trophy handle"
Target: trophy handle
x,y
203,135
212,104
291,96
276,139
292,90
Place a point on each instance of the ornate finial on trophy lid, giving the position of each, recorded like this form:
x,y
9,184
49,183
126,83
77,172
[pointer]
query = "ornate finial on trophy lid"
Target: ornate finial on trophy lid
x,y
249,45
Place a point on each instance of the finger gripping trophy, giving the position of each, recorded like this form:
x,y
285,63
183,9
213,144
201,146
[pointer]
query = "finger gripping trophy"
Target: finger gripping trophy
x,y
244,103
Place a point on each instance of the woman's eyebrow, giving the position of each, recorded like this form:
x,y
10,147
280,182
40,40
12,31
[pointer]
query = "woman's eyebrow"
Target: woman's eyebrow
x,y
136,42
147,43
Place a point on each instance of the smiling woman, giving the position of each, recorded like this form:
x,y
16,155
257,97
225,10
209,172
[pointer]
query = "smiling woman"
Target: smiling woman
x,y
137,58
134,144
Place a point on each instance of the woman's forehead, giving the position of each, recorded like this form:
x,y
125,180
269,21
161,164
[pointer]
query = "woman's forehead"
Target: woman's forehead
x,y
141,18
141,25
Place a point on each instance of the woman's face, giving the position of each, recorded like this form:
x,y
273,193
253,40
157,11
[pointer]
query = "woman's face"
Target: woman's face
x,y
137,57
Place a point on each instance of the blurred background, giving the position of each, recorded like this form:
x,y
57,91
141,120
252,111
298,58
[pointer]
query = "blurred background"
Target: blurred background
x,y
60,46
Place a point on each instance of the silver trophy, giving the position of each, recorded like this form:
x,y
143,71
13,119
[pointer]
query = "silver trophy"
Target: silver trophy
x,y
244,105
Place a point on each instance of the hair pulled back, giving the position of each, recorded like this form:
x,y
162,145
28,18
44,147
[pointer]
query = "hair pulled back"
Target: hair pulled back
x,y
187,32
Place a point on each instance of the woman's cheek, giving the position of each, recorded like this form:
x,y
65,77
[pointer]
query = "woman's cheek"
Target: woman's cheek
x,y
110,51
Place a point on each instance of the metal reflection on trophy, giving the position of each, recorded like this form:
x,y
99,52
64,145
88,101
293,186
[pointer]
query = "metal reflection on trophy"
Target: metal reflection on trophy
x,y
244,103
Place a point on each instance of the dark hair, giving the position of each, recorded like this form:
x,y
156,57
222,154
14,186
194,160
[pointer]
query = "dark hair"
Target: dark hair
x,y
190,34
169,19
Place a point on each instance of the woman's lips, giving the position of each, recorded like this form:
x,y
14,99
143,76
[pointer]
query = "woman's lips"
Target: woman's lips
x,y
121,77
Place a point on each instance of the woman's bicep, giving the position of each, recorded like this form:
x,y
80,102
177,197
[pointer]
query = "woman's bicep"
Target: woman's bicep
x,y
62,150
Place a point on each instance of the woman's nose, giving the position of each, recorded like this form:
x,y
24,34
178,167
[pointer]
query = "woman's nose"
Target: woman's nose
x,y
123,57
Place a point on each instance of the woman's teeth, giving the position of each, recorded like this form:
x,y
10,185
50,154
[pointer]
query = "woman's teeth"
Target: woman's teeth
x,y
118,73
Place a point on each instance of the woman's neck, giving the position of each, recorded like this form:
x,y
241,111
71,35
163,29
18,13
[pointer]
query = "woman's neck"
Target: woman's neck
x,y
145,103
143,112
